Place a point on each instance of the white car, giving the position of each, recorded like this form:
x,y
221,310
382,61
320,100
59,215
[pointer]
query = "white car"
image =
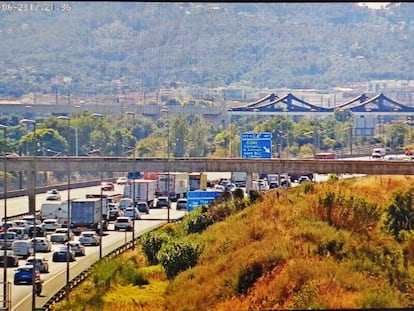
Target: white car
x,y
42,244
61,235
122,181
41,263
123,223
51,224
89,238
53,195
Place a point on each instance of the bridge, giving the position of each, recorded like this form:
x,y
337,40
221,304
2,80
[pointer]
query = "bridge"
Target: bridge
x,y
31,165
194,164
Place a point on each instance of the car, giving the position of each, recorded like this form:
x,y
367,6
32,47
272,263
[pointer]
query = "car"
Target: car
x,y
122,181
61,235
132,212
63,254
89,238
123,223
21,223
162,202
378,153
53,195
24,275
181,204
113,213
31,220
37,231
22,233
22,248
41,244
107,186
303,179
12,260
77,247
8,237
143,207
124,203
51,224
40,263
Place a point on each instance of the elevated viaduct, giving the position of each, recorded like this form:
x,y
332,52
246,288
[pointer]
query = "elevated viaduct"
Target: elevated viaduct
x,y
31,165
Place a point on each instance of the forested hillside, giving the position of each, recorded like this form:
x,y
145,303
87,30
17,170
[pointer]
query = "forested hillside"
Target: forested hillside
x,y
94,47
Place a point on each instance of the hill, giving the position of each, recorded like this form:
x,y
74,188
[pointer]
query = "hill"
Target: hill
x,y
128,47
341,244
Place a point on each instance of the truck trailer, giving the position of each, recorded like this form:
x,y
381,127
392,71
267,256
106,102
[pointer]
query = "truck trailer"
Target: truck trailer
x,y
141,190
197,181
173,185
86,214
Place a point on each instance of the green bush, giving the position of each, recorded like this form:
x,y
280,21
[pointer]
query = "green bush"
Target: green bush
x,y
178,256
151,243
254,195
248,277
400,214
197,221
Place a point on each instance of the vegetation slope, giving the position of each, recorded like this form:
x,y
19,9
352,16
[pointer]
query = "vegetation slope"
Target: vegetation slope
x,y
340,244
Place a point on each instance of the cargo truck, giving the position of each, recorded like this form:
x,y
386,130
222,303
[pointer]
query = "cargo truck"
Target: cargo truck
x,y
55,210
239,179
197,181
174,185
141,190
86,215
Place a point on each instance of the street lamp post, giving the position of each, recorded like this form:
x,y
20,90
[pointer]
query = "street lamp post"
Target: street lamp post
x,y
4,128
69,219
133,181
164,110
32,209
99,115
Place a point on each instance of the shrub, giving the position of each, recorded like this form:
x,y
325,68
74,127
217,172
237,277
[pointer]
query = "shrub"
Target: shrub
x,y
248,277
400,214
254,195
151,243
178,256
197,221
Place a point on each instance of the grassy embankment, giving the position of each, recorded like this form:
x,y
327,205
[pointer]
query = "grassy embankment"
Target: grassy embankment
x,y
322,246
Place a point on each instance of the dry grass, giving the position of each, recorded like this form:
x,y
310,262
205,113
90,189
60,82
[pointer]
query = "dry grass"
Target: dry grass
x,y
282,254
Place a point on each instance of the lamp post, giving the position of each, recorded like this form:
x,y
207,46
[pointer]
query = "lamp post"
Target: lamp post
x,y
133,181
32,208
4,128
100,116
69,219
164,110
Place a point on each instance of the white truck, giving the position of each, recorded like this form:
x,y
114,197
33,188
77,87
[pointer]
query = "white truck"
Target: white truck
x,y
239,179
57,210
141,190
173,185
197,181
48,210
86,215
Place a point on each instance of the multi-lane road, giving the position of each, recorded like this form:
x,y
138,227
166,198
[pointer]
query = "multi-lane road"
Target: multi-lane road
x,y
21,295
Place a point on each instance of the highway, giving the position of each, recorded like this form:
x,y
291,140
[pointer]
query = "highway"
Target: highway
x,y
21,295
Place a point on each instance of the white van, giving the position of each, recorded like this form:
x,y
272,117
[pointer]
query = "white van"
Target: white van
x,y
22,248
378,153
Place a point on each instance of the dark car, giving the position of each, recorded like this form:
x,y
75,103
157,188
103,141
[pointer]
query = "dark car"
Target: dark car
x,y
114,213
23,275
62,254
163,202
38,231
181,204
143,207
107,186
11,259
